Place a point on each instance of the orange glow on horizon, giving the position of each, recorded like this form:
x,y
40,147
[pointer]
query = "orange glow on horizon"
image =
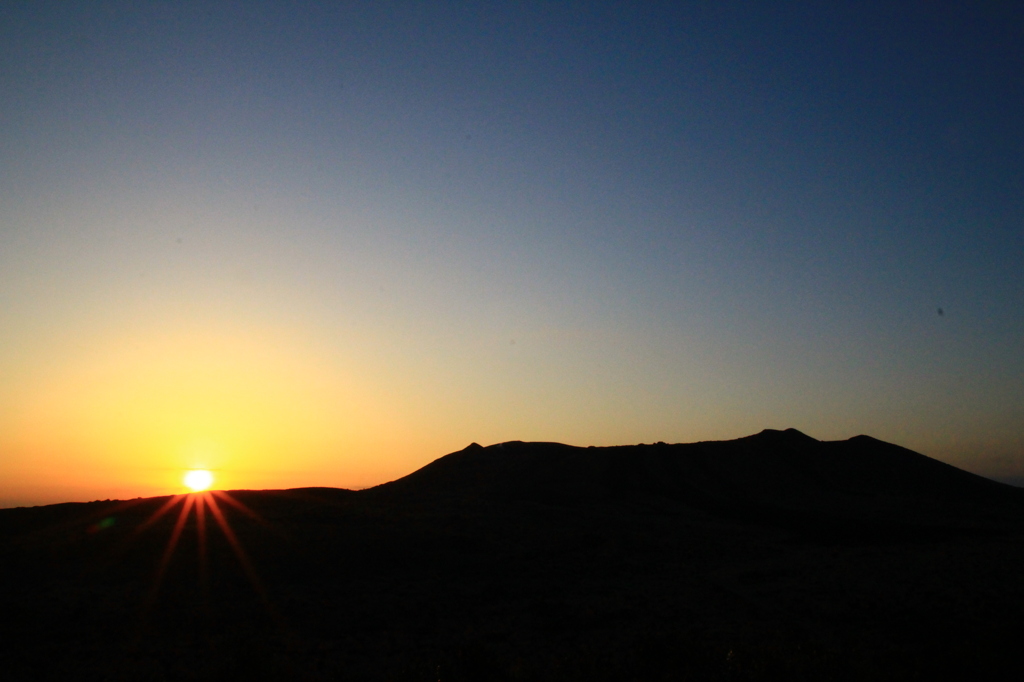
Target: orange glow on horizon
x,y
120,420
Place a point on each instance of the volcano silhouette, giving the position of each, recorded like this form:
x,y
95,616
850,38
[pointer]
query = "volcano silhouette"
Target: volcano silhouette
x,y
774,556
783,474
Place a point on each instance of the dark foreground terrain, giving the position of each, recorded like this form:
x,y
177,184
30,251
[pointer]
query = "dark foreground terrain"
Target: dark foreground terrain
x,y
770,557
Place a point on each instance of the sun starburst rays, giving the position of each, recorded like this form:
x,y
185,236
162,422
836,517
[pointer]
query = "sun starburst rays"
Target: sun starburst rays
x,y
202,502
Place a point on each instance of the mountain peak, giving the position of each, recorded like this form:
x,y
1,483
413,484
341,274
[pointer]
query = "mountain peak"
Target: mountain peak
x,y
790,435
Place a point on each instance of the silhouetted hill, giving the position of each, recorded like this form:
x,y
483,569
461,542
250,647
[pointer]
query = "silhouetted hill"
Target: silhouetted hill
x,y
774,556
771,475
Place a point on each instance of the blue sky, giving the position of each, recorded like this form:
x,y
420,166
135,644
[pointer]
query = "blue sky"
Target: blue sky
x,y
439,223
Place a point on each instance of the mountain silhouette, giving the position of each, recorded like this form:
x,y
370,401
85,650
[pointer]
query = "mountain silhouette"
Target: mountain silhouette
x,y
773,474
775,556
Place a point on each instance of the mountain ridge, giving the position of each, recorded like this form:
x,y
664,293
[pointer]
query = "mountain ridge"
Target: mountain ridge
x,y
861,478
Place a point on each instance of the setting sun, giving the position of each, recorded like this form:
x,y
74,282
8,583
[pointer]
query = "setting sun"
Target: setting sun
x,y
198,479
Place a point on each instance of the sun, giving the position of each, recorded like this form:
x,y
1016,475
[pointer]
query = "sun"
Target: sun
x,y
198,479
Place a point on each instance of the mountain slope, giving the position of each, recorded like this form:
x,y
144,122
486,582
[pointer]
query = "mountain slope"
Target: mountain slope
x,y
782,471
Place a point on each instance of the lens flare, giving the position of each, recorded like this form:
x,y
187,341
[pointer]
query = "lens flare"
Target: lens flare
x,y
202,502
198,479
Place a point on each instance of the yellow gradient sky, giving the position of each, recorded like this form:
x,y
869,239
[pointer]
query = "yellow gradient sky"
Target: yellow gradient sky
x,y
324,244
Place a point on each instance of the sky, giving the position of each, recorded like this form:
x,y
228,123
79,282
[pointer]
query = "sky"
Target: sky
x,y
323,244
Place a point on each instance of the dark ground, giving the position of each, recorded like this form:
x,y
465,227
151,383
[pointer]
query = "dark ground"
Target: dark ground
x,y
770,557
